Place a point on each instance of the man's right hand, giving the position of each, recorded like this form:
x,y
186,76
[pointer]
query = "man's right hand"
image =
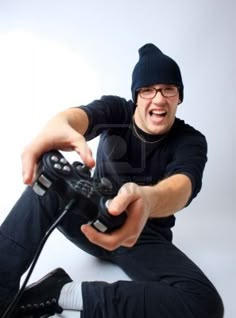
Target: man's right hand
x,y
63,132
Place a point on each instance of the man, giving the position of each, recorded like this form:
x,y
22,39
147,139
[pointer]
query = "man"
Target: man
x,y
155,162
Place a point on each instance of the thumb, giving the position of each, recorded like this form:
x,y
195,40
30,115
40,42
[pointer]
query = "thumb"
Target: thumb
x,y
118,204
127,194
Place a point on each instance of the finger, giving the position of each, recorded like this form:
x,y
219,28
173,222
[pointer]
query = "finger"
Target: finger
x,y
87,157
29,160
105,241
124,236
81,147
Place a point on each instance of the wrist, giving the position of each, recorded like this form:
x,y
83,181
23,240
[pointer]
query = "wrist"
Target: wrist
x,y
150,195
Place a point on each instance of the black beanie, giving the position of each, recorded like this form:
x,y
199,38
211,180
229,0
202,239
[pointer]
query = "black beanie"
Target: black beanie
x,y
153,68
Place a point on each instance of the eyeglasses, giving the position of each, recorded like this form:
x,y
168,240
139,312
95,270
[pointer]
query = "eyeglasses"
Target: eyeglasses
x,y
150,92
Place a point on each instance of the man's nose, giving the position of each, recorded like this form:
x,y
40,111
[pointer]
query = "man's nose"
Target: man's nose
x,y
159,98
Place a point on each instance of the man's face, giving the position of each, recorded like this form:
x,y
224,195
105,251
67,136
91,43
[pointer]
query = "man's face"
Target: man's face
x,y
156,115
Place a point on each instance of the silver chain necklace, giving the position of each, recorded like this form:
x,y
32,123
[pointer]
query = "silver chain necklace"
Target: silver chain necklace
x,y
143,139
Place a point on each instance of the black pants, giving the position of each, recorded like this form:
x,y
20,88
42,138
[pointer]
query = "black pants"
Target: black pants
x,y
165,282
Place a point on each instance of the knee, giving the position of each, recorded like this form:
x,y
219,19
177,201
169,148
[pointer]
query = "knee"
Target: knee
x,y
219,307
214,306
204,301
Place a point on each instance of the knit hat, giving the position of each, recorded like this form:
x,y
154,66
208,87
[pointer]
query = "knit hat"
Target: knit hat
x,y
153,68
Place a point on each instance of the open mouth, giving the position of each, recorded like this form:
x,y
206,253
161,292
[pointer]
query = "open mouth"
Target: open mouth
x,y
158,113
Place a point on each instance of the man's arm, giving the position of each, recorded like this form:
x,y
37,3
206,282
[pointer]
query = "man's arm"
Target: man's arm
x,y
168,196
65,132
76,118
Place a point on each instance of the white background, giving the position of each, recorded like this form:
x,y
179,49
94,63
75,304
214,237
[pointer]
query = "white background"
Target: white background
x,y
57,54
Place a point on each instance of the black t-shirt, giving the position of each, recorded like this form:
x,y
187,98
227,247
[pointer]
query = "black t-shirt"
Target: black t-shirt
x,y
123,156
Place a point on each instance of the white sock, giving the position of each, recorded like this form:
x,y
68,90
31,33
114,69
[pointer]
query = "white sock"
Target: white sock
x,y
71,297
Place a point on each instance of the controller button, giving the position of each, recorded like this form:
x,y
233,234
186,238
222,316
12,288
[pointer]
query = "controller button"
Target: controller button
x,y
107,203
54,158
100,226
66,169
45,181
38,189
57,166
63,161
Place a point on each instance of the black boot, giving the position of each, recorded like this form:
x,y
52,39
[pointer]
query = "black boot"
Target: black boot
x,y
40,299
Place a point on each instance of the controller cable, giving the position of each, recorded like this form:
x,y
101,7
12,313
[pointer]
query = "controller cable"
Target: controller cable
x,y
11,307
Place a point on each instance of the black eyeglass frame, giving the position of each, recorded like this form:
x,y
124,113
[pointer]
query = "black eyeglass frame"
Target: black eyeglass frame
x,y
161,90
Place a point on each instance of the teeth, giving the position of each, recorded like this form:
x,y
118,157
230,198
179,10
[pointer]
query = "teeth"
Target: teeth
x,y
158,112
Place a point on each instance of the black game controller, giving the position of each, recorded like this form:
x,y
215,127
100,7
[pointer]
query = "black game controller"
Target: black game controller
x,y
74,181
